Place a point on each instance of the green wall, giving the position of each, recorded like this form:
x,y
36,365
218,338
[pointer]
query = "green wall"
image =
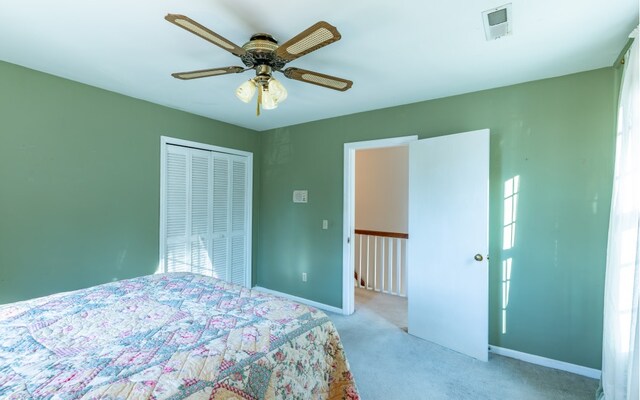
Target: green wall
x,y
79,194
80,181
556,134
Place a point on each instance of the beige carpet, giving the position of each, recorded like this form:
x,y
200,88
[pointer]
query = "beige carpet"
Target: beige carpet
x,y
390,364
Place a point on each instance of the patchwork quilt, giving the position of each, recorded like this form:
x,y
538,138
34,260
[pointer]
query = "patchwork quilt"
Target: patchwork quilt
x,y
170,336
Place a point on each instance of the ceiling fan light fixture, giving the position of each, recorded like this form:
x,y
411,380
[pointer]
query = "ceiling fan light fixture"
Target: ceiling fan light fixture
x,y
277,90
269,101
246,90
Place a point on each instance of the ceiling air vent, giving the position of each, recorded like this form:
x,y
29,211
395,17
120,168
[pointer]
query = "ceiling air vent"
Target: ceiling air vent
x,y
497,22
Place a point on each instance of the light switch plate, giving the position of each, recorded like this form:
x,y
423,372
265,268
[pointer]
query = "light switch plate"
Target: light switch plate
x,y
300,196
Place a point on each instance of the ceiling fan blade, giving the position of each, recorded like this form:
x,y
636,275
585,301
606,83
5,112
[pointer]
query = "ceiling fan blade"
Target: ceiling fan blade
x,y
205,33
314,37
317,78
203,73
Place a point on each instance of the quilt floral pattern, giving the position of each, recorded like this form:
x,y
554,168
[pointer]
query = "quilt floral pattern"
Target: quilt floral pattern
x,y
170,336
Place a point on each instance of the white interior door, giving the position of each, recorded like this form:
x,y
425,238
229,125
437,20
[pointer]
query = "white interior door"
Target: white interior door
x,y
448,226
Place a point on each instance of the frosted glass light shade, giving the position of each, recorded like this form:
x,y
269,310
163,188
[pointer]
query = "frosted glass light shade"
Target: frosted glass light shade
x,y
268,100
246,91
277,90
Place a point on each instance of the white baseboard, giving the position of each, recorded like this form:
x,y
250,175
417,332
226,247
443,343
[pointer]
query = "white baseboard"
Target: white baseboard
x,y
546,362
311,303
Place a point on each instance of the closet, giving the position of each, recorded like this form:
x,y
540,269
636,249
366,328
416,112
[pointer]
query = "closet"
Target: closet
x,y
205,211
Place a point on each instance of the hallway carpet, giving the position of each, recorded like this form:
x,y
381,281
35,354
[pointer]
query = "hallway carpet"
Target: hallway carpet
x,y
390,364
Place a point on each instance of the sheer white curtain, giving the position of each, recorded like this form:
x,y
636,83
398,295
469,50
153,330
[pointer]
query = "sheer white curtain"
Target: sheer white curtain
x,y
620,353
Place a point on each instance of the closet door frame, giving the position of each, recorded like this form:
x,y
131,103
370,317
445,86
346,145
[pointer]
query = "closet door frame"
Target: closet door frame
x,y
164,142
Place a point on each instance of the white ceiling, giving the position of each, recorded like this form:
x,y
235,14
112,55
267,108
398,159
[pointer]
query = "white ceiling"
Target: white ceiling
x,y
395,52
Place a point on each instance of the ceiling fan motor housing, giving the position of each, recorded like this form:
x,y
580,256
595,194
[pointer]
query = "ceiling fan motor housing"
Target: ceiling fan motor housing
x,y
261,50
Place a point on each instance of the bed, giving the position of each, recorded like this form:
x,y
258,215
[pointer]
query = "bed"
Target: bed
x,y
170,336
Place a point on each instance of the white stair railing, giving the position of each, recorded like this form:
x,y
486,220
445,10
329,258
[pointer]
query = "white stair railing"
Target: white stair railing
x,y
380,261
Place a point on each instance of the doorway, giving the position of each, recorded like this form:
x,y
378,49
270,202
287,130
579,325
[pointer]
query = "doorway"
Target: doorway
x,y
380,235
348,289
448,223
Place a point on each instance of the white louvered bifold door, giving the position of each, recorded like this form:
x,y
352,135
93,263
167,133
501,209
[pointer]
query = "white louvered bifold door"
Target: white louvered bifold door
x,y
200,211
220,223
176,197
238,178
206,214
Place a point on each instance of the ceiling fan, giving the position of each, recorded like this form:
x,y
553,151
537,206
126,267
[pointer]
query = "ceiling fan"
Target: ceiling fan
x,y
263,54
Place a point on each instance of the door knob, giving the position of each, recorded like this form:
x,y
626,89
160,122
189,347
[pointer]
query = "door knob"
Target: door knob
x,y
478,257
